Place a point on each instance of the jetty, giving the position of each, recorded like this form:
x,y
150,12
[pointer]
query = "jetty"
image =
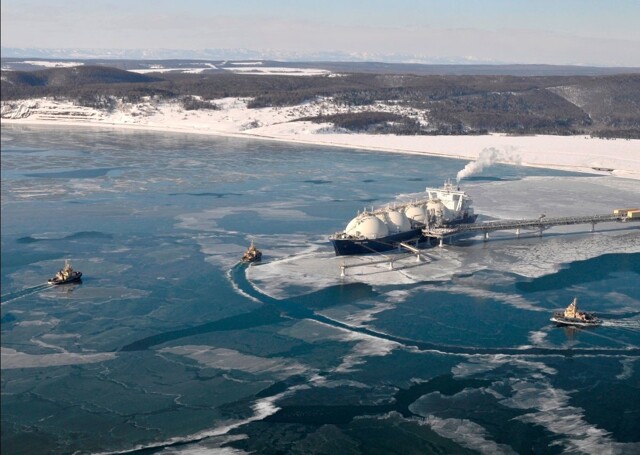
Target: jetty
x,y
539,224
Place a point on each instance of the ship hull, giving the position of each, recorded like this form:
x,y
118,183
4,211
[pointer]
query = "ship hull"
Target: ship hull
x,y
561,321
257,258
74,278
348,247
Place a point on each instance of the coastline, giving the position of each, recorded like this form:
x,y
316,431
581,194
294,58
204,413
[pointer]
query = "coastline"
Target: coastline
x,y
583,154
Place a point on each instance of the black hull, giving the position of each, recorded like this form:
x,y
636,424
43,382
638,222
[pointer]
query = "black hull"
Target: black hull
x,y
348,247
566,322
72,279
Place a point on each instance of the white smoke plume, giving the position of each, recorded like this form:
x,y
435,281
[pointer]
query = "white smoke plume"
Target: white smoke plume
x,y
487,157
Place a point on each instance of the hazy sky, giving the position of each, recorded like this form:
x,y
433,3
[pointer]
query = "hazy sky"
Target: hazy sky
x,y
596,32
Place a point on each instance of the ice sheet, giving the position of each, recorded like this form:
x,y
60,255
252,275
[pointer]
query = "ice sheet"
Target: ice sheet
x,y
12,359
529,256
229,359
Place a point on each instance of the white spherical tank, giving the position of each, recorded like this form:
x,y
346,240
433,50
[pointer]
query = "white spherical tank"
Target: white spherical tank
x,y
416,213
352,224
397,221
368,226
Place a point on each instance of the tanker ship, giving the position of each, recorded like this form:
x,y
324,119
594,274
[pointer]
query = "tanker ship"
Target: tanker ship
x,y
387,228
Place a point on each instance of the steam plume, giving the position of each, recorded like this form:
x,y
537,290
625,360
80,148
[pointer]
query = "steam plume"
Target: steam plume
x,y
487,157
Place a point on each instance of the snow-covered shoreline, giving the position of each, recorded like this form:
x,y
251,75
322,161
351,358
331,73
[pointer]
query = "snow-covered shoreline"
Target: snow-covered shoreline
x,y
618,157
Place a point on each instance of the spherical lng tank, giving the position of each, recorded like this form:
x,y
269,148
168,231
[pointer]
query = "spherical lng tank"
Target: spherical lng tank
x,y
416,213
396,221
368,226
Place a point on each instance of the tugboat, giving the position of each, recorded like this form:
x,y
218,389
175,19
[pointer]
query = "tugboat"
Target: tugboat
x,y
252,254
572,317
66,275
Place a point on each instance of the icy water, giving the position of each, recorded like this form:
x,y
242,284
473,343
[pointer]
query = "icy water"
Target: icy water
x,y
170,346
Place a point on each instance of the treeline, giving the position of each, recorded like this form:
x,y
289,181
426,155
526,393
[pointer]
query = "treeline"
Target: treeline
x,y
535,111
605,106
371,122
73,76
617,134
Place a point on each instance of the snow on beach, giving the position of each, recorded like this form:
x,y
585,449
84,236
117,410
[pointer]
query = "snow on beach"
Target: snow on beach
x,y
619,157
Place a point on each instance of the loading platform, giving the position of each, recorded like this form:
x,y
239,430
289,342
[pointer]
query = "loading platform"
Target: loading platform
x,y
540,224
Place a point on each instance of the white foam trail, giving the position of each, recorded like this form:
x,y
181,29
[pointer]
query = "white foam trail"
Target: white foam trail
x,y
487,157
11,296
237,289
630,324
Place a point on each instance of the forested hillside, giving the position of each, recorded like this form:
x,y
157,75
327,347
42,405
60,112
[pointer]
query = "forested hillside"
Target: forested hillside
x,y
606,106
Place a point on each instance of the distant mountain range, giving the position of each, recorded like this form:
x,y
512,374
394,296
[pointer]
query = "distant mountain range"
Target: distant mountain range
x,y
470,65
131,54
148,64
231,54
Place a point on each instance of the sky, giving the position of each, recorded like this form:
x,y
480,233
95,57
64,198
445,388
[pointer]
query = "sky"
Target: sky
x,y
574,32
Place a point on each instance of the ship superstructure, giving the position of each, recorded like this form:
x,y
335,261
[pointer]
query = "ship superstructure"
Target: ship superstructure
x,y
387,228
252,254
572,316
65,275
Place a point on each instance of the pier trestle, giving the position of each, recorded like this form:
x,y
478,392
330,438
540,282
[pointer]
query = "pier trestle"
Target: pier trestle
x,y
441,233
540,224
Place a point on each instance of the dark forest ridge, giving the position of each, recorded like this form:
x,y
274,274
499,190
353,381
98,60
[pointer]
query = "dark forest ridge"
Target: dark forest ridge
x,y
454,104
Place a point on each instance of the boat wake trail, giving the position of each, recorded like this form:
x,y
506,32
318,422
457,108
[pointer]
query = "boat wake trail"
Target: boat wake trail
x,y
628,324
11,296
